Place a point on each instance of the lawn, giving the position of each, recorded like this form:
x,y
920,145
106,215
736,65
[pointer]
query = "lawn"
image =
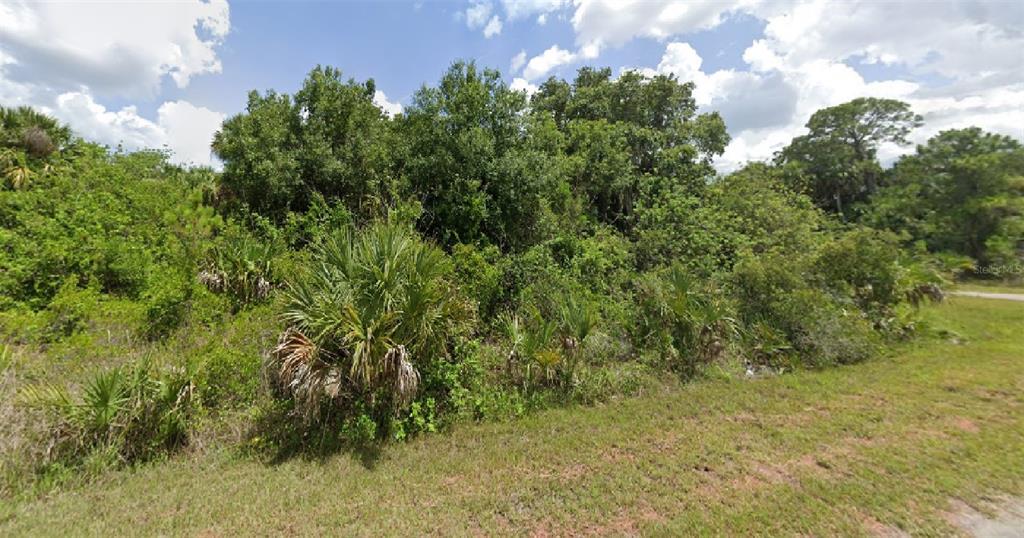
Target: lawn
x,y
989,286
881,447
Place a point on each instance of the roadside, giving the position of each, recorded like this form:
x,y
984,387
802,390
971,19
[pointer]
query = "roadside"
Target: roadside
x,y
989,295
887,447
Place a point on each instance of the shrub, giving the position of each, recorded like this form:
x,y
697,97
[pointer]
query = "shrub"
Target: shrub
x,y
365,317
226,377
241,267
167,302
479,275
689,321
37,142
533,355
134,412
790,322
863,264
69,310
547,352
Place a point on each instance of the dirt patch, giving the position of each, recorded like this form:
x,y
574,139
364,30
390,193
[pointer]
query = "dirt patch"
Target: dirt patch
x,y
873,527
1002,518
966,424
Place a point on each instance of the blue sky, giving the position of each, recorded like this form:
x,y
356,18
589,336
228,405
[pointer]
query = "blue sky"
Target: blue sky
x,y
274,44
165,74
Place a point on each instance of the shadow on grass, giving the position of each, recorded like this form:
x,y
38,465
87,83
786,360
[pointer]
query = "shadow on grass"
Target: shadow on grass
x,y
279,436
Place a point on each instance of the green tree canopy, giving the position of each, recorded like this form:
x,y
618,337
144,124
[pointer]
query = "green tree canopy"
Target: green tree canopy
x,y
468,158
836,161
962,192
624,133
329,139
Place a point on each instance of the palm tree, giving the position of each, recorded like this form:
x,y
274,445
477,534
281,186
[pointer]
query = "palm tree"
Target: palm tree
x,y
36,133
368,309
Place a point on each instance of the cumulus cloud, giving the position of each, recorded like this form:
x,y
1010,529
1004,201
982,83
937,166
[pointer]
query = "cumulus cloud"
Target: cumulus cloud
x,y
188,131
62,58
954,39
543,63
518,61
113,48
520,84
493,27
477,13
615,22
184,129
518,9
480,16
962,62
392,109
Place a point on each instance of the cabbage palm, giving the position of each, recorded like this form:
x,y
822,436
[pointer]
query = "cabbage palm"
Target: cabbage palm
x,y
368,309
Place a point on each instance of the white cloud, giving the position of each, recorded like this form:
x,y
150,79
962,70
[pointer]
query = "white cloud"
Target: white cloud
x,y
544,62
493,27
480,16
112,48
181,127
809,55
389,108
188,131
477,14
542,19
518,9
61,58
520,84
518,61
615,22
954,39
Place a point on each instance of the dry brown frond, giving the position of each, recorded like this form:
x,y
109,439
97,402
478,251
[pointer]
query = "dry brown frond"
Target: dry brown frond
x,y
401,376
302,372
213,280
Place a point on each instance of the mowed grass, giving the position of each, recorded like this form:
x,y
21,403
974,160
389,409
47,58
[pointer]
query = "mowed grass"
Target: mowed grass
x,y
874,448
987,286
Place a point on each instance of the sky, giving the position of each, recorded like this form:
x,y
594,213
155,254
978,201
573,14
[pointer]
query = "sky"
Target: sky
x,y
166,74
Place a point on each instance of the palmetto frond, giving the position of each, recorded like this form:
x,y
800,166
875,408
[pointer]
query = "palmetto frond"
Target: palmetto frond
x,y
303,372
18,175
400,376
367,308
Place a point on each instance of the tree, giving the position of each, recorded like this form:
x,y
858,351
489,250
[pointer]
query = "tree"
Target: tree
x,y
469,161
627,134
330,139
836,160
36,133
960,192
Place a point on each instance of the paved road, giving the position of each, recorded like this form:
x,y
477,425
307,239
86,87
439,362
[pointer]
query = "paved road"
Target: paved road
x,y
986,295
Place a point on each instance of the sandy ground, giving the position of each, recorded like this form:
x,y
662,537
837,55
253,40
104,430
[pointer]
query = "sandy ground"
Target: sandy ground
x,y
1003,519
986,295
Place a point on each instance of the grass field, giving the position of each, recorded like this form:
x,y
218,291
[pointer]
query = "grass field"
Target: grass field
x,y
998,286
879,448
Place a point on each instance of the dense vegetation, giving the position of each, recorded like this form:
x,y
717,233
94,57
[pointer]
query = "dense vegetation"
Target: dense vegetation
x,y
350,278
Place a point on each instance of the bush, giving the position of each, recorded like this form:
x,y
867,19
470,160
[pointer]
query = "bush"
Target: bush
x,y
37,142
167,302
241,267
790,322
226,378
135,413
477,271
545,352
371,311
687,321
69,310
863,264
